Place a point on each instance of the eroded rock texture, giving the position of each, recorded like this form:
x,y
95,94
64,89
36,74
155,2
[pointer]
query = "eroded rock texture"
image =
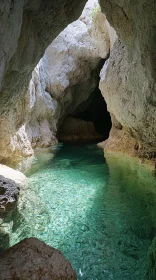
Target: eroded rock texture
x,y
33,259
128,78
63,79
27,28
9,191
10,182
78,130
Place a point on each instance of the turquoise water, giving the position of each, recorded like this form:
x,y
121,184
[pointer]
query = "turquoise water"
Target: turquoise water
x,y
100,214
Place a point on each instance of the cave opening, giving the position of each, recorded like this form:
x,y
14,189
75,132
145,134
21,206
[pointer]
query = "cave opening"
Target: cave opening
x,y
91,122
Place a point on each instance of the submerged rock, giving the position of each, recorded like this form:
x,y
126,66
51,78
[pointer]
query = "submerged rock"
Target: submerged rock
x,y
151,262
33,259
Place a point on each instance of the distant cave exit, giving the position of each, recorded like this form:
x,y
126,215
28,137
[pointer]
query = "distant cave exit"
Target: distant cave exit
x,y
90,123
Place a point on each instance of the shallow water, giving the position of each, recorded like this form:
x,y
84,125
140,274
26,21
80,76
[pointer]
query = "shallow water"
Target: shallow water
x,y
101,215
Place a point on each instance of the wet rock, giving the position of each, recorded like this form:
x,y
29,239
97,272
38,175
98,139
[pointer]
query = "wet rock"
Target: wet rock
x,y
10,183
33,259
9,191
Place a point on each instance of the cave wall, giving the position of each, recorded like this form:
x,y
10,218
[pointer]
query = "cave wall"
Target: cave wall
x,y
27,28
128,79
63,78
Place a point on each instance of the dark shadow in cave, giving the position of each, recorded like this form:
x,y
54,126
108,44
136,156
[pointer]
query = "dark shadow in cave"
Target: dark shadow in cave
x,y
97,113
91,122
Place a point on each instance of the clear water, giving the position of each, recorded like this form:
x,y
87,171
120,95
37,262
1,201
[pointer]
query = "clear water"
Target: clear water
x,y
101,215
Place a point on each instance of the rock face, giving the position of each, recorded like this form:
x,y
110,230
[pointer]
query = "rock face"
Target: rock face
x,y
120,140
63,79
77,130
33,259
128,77
27,28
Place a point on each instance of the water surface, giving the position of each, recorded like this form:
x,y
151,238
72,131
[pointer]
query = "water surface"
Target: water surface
x,y
101,215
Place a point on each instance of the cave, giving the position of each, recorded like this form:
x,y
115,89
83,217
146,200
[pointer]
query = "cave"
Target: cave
x,y
90,123
77,72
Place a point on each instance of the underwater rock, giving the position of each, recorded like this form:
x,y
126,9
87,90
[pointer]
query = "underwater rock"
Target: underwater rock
x,y
151,262
33,259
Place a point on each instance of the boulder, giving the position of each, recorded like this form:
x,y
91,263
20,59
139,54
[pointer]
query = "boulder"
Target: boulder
x,y
9,191
33,259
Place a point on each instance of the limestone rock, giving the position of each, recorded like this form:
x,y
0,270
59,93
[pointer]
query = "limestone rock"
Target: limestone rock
x,y
102,33
12,174
77,130
33,259
128,77
63,79
27,28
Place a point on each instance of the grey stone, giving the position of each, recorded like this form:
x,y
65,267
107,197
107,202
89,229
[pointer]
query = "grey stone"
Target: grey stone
x,y
9,192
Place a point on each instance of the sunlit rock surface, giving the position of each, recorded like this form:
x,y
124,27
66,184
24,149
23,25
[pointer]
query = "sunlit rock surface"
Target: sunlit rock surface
x,y
128,77
27,28
63,79
66,75
33,259
13,174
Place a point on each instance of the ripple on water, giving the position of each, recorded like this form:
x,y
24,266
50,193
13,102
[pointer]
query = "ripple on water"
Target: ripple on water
x,y
100,214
